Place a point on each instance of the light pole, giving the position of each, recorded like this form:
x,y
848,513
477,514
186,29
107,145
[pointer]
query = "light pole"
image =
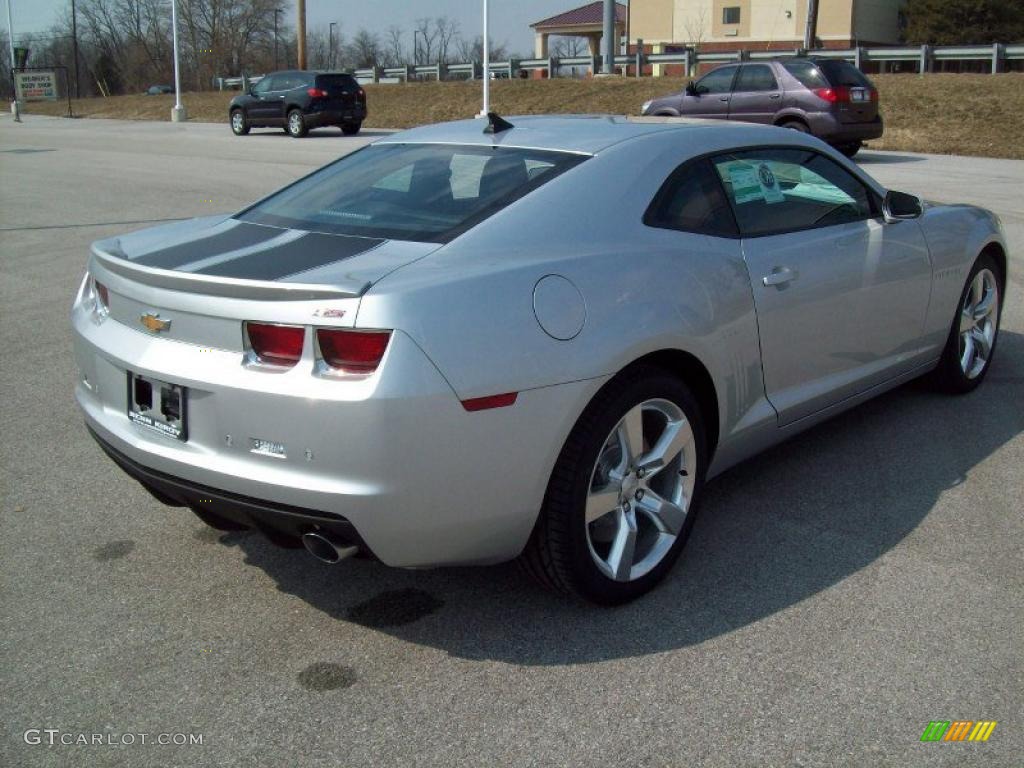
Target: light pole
x,y
415,47
74,35
178,114
277,12
10,45
487,66
330,44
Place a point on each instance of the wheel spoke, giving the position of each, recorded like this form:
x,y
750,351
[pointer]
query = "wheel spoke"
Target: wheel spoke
x,y
977,289
601,502
631,432
967,356
982,343
967,319
677,438
984,307
666,516
620,558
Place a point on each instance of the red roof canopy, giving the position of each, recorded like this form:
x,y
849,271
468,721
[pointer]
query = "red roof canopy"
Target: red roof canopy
x,y
589,14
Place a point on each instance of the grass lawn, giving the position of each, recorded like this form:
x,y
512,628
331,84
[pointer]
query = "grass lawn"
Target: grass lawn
x,y
938,113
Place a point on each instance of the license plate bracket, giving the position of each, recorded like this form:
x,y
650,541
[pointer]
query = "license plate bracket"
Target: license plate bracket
x,y
158,406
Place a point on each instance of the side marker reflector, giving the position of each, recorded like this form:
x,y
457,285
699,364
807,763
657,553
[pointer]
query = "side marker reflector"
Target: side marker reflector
x,y
491,401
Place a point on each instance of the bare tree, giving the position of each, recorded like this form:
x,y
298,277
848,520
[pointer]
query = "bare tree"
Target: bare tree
x,y
427,33
364,50
446,29
394,51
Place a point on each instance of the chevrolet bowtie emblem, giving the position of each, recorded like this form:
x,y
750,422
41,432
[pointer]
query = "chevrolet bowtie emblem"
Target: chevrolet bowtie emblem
x,y
152,322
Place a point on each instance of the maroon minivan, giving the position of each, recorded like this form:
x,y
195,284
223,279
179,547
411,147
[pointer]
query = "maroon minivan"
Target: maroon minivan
x,y
828,98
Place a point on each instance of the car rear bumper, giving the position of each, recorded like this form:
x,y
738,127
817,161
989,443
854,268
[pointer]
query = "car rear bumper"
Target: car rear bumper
x,y
828,127
282,523
335,116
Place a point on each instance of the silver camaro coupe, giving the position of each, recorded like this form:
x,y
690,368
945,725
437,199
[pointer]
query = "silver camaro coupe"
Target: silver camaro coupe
x,y
532,338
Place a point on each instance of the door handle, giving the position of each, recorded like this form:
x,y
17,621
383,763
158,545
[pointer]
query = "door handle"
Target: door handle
x,y
723,98
779,276
775,96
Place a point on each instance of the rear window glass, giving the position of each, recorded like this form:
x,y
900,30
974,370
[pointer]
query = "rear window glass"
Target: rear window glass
x,y
424,192
344,83
807,73
843,73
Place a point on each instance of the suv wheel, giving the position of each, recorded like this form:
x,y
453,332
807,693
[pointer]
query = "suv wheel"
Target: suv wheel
x,y
622,497
239,123
850,149
796,125
351,129
296,125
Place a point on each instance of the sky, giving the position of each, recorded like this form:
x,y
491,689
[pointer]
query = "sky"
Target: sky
x,y
510,19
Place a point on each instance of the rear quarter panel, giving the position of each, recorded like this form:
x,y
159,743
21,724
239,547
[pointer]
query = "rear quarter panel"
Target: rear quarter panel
x,y
470,304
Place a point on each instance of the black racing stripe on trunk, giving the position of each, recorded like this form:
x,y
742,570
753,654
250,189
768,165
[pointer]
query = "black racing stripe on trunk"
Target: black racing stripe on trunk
x,y
242,235
308,252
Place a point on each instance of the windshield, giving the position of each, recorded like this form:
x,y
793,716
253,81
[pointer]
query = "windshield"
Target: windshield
x,y
425,192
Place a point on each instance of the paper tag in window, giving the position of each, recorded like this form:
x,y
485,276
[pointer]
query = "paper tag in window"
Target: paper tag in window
x,y
769,185
745,185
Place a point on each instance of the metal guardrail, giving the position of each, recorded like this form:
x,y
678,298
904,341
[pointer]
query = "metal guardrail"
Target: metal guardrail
x,y
923,56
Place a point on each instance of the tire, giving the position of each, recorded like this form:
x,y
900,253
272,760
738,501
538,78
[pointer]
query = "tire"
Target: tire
x,y
296,124
976,324
239,122
851,149
796,125
569,554
351,129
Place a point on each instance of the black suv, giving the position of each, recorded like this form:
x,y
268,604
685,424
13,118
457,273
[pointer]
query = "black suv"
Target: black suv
x,y
297,101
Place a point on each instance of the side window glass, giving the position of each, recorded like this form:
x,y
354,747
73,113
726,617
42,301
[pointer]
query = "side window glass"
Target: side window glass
x,y
263,86
717,81
691,200
756,77
783,190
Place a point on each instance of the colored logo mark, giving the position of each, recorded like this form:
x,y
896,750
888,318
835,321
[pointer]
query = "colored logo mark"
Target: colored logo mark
x,y
958,730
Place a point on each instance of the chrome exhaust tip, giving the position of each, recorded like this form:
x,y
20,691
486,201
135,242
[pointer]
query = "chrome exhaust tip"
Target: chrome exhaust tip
x,y
326,551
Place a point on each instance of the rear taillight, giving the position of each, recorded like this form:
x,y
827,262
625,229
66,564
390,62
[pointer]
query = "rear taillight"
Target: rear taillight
x,y
874,95
361,95
316,93
352,351
102,296
839,94
276,344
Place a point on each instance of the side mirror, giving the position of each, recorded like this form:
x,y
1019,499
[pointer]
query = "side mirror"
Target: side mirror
x,y
691,89
899,206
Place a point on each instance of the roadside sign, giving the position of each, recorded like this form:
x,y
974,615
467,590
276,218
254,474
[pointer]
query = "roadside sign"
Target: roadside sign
x,y
36,85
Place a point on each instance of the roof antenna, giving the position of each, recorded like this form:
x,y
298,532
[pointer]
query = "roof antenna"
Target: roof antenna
x,y
496,124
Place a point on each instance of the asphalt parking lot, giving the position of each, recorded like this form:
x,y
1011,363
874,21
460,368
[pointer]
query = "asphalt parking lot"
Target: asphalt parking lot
x,y
838,593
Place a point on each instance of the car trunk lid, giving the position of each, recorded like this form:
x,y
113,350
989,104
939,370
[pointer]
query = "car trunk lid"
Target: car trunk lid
x,y
207,276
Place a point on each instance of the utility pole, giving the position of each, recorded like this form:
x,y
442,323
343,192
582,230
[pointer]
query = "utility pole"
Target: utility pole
x,y
415,47
277,12
178,113
330,44
300,32
74,46
487,66
812,25
608,60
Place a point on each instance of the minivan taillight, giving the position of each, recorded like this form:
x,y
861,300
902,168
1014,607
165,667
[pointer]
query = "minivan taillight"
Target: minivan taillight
x,y
352,351
276,344
833,95
361,95
317,93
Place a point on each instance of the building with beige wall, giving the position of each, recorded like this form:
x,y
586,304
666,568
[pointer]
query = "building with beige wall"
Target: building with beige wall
x,y
762,24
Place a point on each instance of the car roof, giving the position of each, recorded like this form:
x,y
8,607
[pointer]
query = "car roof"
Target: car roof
x,y
582,134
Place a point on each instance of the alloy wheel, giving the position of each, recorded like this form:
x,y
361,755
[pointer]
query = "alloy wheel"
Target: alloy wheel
x,y
979,317
237,121
640,490
295,123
